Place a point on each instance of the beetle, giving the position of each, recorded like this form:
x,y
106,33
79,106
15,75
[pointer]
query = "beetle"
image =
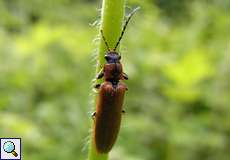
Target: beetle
x,y
110,97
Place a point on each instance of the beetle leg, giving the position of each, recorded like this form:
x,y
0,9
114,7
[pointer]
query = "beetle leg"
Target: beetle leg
x,y
125,76
100,74
93,115
97,86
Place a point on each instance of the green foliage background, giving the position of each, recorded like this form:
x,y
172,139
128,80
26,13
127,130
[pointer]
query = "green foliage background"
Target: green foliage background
x,y
176,54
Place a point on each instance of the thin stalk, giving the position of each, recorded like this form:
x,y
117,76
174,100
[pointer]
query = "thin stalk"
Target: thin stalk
x,y
112,14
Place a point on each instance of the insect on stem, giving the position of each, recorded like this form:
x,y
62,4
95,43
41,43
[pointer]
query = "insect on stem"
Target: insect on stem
x,y
110,98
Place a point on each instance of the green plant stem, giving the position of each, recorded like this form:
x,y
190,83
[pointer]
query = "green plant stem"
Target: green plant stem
x,y
112,14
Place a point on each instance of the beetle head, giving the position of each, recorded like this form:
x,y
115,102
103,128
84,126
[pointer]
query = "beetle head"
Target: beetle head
x,y
112,57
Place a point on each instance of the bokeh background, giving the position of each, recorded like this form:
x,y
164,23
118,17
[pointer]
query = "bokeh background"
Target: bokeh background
x,y
177,56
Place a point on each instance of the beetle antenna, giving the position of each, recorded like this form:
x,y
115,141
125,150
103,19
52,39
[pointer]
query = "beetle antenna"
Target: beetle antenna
x,y
124,27
103,37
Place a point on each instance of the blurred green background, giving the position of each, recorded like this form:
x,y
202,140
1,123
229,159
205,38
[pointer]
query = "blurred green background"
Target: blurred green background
x,y
177,56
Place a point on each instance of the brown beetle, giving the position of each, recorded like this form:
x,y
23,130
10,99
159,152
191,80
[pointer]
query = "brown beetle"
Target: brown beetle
x,y
110,98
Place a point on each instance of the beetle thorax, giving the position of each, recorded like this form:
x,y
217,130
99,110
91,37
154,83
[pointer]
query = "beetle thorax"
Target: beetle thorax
x,y
113,72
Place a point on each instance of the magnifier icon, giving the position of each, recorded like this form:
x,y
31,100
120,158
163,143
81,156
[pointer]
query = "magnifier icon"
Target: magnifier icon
x,y
9,147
